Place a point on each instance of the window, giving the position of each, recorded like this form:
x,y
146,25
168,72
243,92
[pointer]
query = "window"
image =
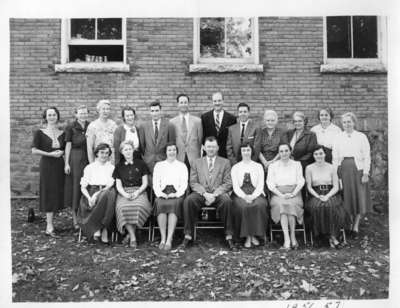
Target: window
x,y
225,44
355,40
94,45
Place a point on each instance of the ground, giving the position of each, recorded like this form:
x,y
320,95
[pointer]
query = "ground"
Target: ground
x,y
46,269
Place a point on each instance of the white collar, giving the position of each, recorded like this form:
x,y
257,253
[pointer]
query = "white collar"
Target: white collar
x,y
129,128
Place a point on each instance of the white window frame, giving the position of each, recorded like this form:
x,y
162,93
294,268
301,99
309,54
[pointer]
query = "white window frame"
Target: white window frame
x,y
362,65
250,64
111,66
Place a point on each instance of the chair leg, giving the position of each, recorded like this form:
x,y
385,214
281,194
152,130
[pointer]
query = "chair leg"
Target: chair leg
x,y
311,239
80,235
304,235
194,233
344,236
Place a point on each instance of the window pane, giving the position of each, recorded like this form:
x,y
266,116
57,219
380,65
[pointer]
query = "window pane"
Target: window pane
x,y
365,37
338,36
212,36
92,53
238,38
82,28
109,28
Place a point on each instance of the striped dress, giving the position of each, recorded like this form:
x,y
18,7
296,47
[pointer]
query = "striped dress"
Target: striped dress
x,y
134,212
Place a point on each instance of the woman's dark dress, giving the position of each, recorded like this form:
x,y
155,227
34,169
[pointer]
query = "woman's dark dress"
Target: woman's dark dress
x,y
76,134
51,169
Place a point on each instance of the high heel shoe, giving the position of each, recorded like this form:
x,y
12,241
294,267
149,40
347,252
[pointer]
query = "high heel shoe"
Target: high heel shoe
x,y
295,246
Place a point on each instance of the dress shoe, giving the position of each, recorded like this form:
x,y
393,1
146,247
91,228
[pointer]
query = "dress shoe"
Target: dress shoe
x,y
185,244
230,244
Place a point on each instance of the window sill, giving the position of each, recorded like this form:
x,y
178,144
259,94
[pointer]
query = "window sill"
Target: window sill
x,y
353,68
226,68
83,67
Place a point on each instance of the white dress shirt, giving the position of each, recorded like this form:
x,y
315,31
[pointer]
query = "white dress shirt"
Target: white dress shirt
x,y
131,136
158,125
280,174
220,116
167,173
326,136
98,174
256,175
354,145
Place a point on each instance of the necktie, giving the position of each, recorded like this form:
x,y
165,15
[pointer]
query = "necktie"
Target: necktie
x,y
184,129
155,130
242,133
217,122
210,165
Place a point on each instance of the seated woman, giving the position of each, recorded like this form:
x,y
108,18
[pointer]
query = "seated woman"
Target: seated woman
x,y
285,180
327,214
249,206
96,208
132,207
170,180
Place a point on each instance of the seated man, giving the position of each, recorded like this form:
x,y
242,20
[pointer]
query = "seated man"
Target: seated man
x,y
210,181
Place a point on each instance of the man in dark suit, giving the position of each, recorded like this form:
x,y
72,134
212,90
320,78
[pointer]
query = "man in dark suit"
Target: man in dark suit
x,y
210,181
216,122
246,131
154,135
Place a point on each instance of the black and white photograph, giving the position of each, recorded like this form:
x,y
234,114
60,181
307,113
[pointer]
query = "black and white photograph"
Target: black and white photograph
x,y
194,152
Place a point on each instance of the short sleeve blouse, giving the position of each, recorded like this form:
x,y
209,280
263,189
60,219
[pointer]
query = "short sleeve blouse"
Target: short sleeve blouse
x,y
131,174
76,134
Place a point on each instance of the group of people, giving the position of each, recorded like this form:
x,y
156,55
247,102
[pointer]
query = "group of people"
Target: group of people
x,y
252,174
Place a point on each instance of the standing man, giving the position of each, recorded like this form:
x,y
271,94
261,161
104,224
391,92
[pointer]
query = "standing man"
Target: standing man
x,y
210,181
188,132
216,122
154,135
246,131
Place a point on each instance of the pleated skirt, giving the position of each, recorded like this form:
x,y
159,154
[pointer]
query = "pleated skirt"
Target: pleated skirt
x,y
134,212
356,195
327,218
100,215
167,206
249,219
292,206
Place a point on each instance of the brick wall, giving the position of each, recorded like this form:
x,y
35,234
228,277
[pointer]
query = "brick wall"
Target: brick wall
x,y
159,52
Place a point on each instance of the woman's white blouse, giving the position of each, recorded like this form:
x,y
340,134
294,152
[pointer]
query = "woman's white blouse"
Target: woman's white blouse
x,y
131,135
352,145
167,173
326,136
280,174
256,175
98,174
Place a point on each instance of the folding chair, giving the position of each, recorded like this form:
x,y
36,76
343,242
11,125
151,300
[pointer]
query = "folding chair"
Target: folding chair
x,y
205,222
277,228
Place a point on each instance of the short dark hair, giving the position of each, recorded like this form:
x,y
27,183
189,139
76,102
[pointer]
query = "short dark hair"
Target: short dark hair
x,y
124,109
285,143
44,114
328,110
180,95
318,147
155,103
170,144
247,145
100,147
211,139
243,105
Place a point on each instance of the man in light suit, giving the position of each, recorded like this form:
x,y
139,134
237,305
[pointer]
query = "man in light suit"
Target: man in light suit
x,y
210,181
245,131
216,122
154,135
188,132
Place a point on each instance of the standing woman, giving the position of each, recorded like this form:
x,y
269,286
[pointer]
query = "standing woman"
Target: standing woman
x,y
49,143
132,206
170,180
75,160
249,206
326,131
101,130
351,154
301,140
285,180
97,205
128,131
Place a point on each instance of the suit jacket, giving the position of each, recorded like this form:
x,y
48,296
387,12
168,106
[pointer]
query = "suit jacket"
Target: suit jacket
x,y
304,146
218,182
208,123
119,136
192,145
252,135
153,151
